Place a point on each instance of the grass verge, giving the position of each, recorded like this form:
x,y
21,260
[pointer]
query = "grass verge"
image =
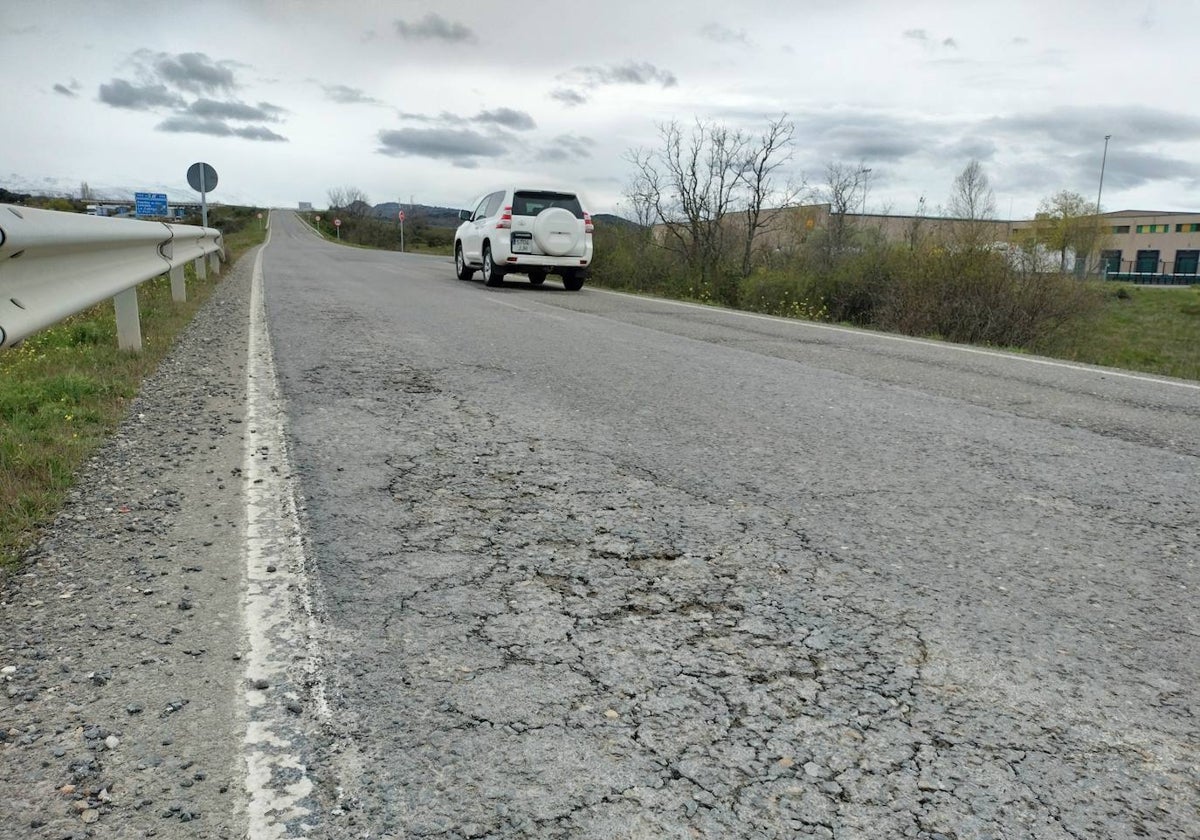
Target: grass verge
x,y
1147,329
64,391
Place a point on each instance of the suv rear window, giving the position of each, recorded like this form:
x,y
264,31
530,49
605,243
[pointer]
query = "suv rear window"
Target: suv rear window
x,y
528,203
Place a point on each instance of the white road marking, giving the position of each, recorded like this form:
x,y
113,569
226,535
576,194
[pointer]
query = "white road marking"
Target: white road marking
x,y
277,781
961,348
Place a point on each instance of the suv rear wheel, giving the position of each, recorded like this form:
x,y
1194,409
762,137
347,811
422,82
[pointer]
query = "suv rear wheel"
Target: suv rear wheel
x,y
464,271
493,275
573,280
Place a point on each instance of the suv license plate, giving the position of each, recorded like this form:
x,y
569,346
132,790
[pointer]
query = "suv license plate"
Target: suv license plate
x,y
522,246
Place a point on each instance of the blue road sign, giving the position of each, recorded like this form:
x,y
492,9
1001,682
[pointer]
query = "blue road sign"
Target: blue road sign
x,y
150,204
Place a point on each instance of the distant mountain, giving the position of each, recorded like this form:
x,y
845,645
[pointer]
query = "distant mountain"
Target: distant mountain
x,y
612,220
444,217
56,187
447,217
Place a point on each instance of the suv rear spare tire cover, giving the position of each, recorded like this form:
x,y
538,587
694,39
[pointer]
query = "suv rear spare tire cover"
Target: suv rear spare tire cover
x,y
556,231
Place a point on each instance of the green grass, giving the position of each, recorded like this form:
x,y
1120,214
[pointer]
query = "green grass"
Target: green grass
x,y
383,235
64,391
1153,330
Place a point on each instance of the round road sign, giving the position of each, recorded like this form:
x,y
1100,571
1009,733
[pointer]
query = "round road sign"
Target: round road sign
x,y
337,222
202,177
402,215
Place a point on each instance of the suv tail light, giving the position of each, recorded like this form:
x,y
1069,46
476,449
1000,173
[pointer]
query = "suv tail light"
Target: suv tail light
x,y
505,219
588,227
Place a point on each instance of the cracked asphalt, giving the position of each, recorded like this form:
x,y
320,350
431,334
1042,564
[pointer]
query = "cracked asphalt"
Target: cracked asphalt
x,y
594,566
583,565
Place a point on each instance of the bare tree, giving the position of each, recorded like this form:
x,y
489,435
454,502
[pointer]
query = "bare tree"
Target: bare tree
x,y
357,203
914,233
763,162
843,182
336,197
690,183
973,203
714,191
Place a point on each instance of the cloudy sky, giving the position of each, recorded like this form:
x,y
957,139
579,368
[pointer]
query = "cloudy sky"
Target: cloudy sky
x,y
440,102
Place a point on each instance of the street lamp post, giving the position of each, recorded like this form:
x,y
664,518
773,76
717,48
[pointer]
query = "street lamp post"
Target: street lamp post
x,y
1100,191
1103,161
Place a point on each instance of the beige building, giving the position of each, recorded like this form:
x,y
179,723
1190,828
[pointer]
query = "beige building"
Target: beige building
x,y
1147,242
1162,244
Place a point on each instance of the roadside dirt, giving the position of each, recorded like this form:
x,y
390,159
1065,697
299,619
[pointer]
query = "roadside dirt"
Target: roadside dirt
x,y
121,685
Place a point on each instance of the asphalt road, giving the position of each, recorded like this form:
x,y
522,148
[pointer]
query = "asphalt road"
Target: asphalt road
x,y
586,565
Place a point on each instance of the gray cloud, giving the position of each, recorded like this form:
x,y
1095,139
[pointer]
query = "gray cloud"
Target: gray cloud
x,y
1133,169
1061,149
950,42
186,124
566,147
629,73
568,97
349,96
860,136
458,145
235,110
65,91
120,93
507,117
259,132
916,34
183,124
971,148
194,72
721,34
1077,127
434,27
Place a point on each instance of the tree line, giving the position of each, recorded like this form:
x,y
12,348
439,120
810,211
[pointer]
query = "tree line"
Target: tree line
x,y
720,219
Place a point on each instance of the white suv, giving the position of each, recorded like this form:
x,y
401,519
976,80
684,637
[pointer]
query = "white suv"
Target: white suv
x,y
525,231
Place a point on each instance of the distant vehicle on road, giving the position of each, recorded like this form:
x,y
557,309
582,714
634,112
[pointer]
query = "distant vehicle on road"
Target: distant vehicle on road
x,y
525,231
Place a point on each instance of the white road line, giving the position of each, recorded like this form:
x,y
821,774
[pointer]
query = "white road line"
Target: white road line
x,y
277,781
960,348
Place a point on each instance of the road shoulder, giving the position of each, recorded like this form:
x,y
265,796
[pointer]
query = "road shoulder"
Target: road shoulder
x,y
122,709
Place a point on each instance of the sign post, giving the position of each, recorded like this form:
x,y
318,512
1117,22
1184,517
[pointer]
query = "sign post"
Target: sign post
x,y
203,179
401,231
337,226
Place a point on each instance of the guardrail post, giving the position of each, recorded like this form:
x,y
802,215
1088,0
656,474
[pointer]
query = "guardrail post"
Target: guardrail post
x,y
214,262
178,285
201,270
129,324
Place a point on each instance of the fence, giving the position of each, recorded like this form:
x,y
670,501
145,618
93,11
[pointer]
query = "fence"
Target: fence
x,y
54,264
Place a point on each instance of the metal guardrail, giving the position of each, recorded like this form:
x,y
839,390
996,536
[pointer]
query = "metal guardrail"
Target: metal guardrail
x,y
54,264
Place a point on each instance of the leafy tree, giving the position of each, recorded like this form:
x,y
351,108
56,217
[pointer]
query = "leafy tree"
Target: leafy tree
x,y
1067,222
